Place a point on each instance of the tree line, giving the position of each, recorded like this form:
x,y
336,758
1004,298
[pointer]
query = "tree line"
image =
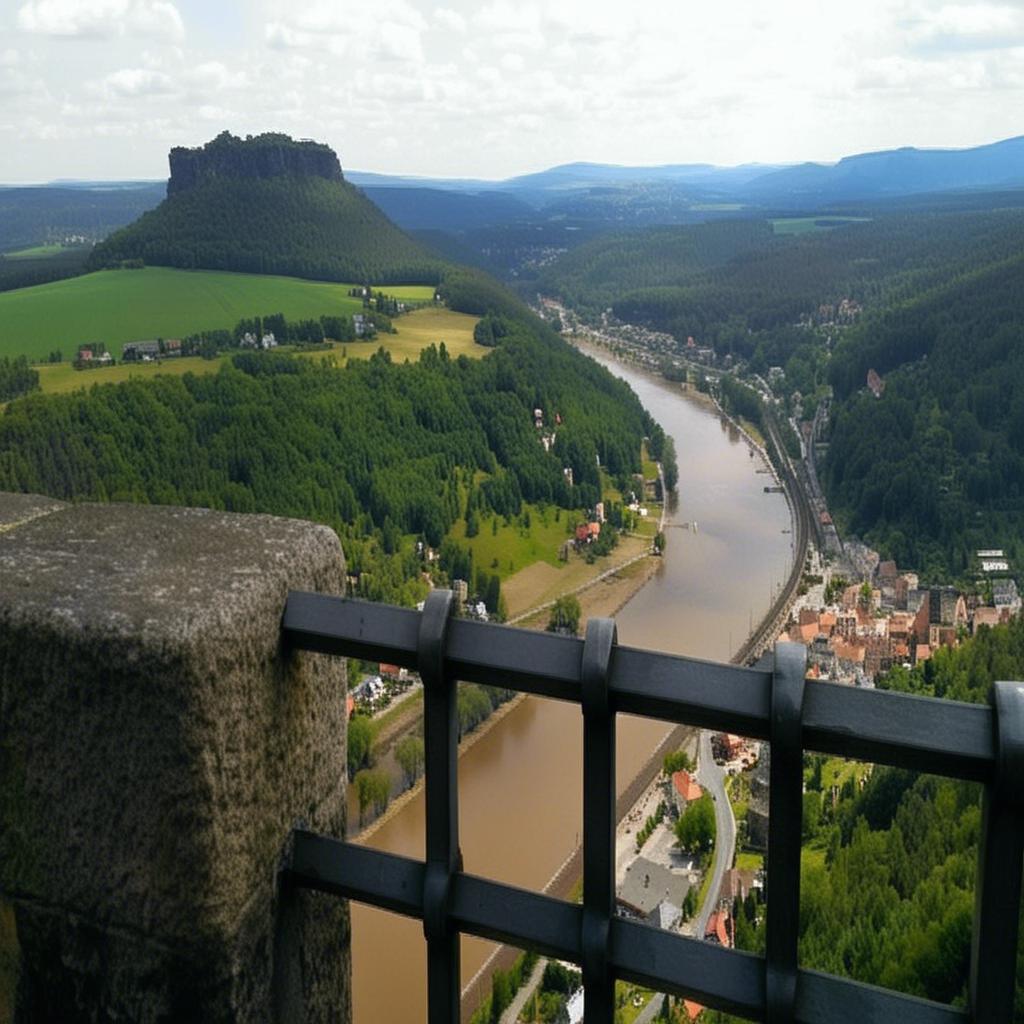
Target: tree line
x,y
298,226
384,453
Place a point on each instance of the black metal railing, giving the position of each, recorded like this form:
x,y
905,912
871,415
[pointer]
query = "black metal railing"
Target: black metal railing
x,y
973,742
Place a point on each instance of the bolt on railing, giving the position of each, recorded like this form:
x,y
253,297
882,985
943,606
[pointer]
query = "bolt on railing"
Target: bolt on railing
x,y
963,741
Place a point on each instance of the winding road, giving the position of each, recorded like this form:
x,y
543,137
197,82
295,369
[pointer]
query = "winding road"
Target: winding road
x,y
712,777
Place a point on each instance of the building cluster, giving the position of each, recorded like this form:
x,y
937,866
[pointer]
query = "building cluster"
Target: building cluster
x,y
92,356
147,351
263,341
375,692
737,753
892,620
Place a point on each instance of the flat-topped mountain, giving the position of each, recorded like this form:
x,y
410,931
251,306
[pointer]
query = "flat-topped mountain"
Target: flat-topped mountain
x,y
269,155
268,204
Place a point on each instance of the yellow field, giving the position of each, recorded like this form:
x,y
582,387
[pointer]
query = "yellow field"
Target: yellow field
x,y
416,330
421,328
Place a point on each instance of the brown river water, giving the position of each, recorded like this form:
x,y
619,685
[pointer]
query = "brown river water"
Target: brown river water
x,y
520,786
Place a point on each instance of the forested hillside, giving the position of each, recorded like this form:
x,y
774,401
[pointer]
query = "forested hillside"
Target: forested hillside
x,y
300,227
935,467
731,284
269,205
383,453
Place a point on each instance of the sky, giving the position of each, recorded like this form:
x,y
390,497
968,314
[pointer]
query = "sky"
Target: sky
x,y
102,89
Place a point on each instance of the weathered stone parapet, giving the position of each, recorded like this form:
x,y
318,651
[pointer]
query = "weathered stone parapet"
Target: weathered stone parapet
x,y
157,746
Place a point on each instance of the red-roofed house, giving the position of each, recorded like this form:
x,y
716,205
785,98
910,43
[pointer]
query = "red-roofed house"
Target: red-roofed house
x,y
718,929
808,632
923,653
692,1010
685,790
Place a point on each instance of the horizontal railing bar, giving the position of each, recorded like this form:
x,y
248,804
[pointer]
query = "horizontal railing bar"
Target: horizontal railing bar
x,y
727,979
921,733
519,917
386,880
826,999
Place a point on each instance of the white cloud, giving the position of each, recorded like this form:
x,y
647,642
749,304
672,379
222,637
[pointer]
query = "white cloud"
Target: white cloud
x,y
966,27
214,76
450,20
101,19
138,82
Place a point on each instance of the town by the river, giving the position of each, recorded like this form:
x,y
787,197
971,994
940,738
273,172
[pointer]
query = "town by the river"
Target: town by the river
x,y
520,787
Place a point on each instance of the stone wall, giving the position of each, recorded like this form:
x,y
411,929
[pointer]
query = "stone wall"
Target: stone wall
x,y
157,746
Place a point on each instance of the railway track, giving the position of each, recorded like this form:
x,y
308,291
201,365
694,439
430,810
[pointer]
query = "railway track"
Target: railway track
x,y
774,619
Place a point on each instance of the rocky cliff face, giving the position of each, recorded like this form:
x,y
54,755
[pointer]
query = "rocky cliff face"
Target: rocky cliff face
x,y
257,156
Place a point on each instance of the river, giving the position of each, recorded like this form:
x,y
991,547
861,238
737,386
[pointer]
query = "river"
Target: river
x,y
520,788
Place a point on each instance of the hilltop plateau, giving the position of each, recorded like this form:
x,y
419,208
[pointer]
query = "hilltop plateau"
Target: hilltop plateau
x,y
267,204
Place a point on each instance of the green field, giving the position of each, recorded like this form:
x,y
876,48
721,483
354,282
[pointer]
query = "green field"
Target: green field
x,y
115,306
804,225
35,252
516,546
416,330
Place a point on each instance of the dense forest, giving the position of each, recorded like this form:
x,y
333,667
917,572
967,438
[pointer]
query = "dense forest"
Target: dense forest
x,y
34,215
728,283
889,871
16,378
297,226
934,468
384,453
26,271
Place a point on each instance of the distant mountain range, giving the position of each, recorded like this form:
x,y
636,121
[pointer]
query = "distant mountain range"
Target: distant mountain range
x,y
906,171
562,205
522,221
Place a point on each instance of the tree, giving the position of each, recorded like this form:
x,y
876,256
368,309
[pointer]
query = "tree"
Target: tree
x,y
501,995
409,754
565,615
373,788
676,761
695,829
360,742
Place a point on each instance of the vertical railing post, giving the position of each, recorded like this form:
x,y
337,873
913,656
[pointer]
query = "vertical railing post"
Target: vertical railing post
x,y
997,901
785,818
443,859
598,821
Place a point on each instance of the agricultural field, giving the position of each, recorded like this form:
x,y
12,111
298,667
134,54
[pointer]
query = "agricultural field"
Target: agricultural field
x,y
115,306
805,225
423,327
416,330
35,252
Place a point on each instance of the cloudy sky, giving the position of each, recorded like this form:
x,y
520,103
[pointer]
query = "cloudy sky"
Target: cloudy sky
x,y
491,88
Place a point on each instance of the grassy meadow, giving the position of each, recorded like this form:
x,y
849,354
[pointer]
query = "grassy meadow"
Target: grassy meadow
x,y
416,330
115,306
805,225
35,252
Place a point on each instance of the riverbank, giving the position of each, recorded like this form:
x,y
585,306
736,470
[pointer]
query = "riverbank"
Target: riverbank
x,y
467,741
519,784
